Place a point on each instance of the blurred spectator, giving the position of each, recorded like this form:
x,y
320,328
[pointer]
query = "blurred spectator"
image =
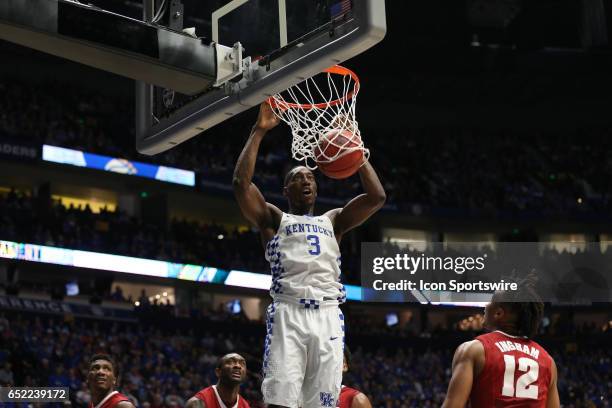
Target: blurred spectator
x,y
143,299
163,367
434,170
181,241
118,295
6,375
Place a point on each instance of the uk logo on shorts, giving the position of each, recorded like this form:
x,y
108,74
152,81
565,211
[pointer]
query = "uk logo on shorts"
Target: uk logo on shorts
x,y
326,399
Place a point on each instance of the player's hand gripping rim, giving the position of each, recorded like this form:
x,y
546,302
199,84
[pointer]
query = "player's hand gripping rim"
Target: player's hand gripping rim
x,y
266,119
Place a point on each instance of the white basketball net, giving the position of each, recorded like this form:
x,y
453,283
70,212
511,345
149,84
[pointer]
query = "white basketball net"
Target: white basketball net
x,y
316,107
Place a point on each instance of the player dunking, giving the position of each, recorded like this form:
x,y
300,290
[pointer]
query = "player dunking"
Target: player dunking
x,y
350,397
101,381
505,368
303,349
231,372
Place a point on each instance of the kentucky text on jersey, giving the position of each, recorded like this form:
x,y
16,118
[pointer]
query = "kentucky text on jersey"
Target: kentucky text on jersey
x,y
506,346
308,228
305,261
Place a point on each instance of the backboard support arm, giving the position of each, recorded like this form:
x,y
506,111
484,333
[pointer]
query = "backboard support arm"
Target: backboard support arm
x,y
343,40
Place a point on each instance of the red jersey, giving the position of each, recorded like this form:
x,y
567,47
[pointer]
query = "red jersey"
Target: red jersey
x,y
110,401
516,373
346,397
211,399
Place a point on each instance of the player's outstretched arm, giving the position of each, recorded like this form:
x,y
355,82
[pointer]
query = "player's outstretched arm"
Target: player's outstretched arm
x,y
552,400
361,207
361,401
251,201
194,402
125,404
464,367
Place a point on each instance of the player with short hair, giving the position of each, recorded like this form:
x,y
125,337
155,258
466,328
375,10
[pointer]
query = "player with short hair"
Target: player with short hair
x,y
350,397
101,381
303,349
505,368
231,371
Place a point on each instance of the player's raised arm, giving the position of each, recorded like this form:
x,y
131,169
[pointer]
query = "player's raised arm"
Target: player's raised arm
x,y
552,400
464,367
251,201
362,207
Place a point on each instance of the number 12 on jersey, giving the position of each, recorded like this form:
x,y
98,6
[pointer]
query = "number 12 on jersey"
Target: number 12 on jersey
x,y
315,246
524,384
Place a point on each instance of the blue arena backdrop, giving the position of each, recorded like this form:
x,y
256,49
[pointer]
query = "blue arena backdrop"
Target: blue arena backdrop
x,y
142,266
117,165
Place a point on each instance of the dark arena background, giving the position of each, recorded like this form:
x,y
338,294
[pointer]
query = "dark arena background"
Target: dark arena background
x,y
486,122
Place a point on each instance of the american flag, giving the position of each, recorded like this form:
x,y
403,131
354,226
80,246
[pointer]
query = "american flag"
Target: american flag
x,y
341,7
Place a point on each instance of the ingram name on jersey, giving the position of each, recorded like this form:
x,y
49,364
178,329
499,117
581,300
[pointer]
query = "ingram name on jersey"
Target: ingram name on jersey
x,y
305,260
517,373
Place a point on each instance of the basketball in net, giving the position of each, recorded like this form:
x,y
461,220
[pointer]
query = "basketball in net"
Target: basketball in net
x,y
338,154
321,114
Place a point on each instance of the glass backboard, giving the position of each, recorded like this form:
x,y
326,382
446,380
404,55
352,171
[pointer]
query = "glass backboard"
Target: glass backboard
x,y
281,42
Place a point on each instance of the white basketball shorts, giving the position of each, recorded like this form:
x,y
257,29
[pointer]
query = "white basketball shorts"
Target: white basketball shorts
x,y
303,354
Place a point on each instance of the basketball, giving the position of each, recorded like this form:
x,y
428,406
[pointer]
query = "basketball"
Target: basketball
x,y
339,144
190,216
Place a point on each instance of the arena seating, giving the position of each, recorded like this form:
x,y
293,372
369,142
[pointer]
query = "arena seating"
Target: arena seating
x,y
162,366
526,175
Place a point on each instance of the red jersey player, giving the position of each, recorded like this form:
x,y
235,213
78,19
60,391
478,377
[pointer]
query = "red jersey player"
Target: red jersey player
x,y
350,397
231,371
505,368
101,381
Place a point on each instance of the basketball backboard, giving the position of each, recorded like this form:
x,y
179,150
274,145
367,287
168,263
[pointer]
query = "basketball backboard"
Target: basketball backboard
x,y
274,44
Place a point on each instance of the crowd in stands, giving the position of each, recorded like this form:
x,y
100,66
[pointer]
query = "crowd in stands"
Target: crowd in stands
x,y
42,220
161,367
440,171
45,221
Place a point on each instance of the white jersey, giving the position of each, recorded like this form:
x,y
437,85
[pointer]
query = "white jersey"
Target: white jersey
x,y
305,261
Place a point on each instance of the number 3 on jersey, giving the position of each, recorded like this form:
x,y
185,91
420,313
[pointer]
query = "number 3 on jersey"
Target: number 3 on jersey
x,y
524,384
315,247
